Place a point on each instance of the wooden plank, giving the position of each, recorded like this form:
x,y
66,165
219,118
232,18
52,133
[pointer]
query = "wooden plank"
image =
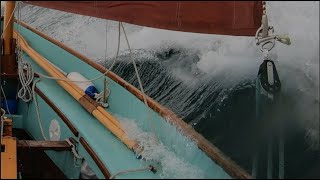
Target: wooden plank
x,y
9,159
16,75
43,145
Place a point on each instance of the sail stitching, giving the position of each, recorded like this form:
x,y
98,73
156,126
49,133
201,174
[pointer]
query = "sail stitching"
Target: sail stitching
x,y
178,20
234,14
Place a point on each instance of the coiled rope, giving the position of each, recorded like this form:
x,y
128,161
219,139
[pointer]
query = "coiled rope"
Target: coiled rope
x,y
25,93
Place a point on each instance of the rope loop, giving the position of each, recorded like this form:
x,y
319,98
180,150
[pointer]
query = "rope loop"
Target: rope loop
x,y
76,156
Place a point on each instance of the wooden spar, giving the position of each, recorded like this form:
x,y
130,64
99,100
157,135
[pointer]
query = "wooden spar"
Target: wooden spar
x,y
8,25
43,145
8,57
78,94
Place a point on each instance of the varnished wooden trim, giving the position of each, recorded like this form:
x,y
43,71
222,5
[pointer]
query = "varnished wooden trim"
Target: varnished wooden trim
x,y
88,103
15,75
43,145
57,110
212,151
95,158
7,127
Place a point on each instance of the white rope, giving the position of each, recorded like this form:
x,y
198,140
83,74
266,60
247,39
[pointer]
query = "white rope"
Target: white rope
x,y
93,79
149,168
135,66
76,156
25,93
37,109
105,53
139,80
102,97
26,78
69,80
3,112
5,99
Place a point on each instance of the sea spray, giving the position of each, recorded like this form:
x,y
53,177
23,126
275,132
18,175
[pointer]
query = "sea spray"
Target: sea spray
x,y
170,164
193,71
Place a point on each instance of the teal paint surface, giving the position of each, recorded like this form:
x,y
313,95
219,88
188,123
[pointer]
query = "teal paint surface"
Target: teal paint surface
x,y
17,120
114,154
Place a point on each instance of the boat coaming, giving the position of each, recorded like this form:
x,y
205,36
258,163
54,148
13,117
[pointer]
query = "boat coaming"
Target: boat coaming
x,y
104,153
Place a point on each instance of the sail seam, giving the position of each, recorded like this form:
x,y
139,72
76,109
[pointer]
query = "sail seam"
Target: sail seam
x,y
234,14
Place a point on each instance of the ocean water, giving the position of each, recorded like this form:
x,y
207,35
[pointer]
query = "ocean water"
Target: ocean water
x,y
209,80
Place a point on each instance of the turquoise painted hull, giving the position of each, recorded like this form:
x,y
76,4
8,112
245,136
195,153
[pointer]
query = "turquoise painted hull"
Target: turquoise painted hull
x,y
114,155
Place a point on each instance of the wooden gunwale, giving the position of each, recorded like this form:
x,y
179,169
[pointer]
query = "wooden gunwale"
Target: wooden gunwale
x,y
95,158
58,111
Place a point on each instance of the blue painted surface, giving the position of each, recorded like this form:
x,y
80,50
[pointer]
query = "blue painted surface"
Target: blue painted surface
x,y
114,154
11,104
90,91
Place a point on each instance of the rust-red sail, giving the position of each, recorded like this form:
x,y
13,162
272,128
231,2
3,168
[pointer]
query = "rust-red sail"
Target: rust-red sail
x,y
240,18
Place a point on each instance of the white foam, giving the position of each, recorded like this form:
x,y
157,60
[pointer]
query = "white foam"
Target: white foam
x,y
170,164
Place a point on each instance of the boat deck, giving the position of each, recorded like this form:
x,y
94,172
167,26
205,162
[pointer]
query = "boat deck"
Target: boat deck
x,y
103,152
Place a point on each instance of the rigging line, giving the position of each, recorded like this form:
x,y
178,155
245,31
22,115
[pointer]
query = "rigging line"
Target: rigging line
x,y
93,79
105,53
26,79
30,74
2,119
105,59
25,93
5,99
37,109
2,123
140,83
